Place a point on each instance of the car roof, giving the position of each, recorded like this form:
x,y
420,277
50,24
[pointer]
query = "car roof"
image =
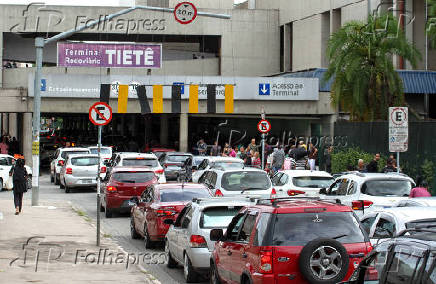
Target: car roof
x,y
74,149
374,176
83,155
138,155
238,170
179,185
6,155
300,205
178,154
408,214
95,147
224,159
306,173
132,169
220,202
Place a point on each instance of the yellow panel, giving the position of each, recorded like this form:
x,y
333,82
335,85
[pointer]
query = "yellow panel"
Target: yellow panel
x,y
193,99
157,99
123,93
228,103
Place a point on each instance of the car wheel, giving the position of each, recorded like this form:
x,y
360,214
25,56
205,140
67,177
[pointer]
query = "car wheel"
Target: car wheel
x,y
324,261
107,212
172,263
188,271
245,280
56,179
147,242
133,233
214,277
67,189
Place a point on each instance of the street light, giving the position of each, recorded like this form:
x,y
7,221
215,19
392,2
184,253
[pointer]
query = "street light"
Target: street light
x,y
39,44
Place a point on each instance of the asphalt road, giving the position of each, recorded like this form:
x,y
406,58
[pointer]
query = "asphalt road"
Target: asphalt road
x,y
118,227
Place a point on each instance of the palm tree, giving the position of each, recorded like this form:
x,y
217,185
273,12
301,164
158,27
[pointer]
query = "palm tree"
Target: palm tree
x,y
360,54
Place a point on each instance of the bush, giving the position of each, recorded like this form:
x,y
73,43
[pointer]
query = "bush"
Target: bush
x,y
428,173
349,157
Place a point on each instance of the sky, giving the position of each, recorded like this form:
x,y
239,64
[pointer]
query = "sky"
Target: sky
x,y
76,2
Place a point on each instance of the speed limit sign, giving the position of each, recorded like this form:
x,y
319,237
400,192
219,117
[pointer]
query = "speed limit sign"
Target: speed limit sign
x,y
185,13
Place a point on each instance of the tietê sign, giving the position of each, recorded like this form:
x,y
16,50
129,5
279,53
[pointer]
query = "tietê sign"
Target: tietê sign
x,y
109,55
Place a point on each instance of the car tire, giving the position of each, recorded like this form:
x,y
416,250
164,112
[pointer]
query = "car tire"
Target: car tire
x,y
172,263
188,271
330,250
67,189
1,184
56,180
149,244
107,212
245,280
133,233
214,277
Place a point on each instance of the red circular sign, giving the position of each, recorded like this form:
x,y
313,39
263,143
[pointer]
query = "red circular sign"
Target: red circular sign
x,y
100,113
185,13
264,126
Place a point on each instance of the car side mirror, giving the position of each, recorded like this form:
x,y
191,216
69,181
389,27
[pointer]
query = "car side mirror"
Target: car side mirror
x,y
169,221
216,235
323,191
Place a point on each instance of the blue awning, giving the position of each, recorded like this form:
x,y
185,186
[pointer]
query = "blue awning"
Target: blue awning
x,y
414,82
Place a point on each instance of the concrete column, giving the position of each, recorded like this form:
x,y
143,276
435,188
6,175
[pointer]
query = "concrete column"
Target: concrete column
x,y
26,143
287,48
13,125
252,4
5,125
1,60
183,133
164,130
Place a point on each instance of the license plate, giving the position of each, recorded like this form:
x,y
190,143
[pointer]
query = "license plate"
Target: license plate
x,y
87,181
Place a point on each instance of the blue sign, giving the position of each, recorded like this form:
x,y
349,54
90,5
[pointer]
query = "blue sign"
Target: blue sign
x,y
43,85
264,89
182,91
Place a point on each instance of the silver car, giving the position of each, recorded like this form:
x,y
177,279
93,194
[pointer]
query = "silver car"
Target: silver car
x,y
187,241
80,170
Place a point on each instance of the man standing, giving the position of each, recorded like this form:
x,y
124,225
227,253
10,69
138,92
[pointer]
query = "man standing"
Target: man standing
x,y
389,167
202,147
313,154
373,165
361,166
278,159
253,146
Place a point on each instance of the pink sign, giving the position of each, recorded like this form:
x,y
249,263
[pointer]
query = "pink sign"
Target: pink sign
x,y
109,55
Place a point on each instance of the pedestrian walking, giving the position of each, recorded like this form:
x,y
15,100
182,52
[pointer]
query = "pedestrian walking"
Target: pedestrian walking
x,y
420,191
373,165
4,147
313,154
19,177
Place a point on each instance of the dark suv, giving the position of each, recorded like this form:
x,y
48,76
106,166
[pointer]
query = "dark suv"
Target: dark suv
x,y
289,241
404,259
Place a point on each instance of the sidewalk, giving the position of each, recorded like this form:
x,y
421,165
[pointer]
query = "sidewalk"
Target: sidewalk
x,y
53,244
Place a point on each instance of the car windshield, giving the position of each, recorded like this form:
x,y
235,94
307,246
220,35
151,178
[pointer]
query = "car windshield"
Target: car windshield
x,y
140,162
197,161
313,182
177,158
65,154
387,187
342,226
187,194
102,151
424,223
229,165
6,161
245,180
218,217
133,177
84,161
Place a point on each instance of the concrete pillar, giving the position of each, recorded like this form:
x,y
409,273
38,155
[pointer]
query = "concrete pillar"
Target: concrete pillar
x,y
13,125
5,125
1,60
26,143
183,133
164,130
287,48
252,4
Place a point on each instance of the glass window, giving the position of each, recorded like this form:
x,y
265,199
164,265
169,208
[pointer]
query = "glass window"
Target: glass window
x,y
203,177
276,179
339,187
429,223
180,217
235,225
384,229
65,154
140,162
84,161
133,177
387,187
352,188
284,179
403,268
342,226
6,161
203,165
187,218
245,180
177,194
247,228
177,158
212,179
227,165
106,151
262,229
367,223
313,182
218,217
429,274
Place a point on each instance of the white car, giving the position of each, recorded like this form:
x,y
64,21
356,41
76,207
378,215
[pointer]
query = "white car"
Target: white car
x,y
386,223
369,191
59,160
140,159
224,163
6,162
249,181
105,152
300,182
418,201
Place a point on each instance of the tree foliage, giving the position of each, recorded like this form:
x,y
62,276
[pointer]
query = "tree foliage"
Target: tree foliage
x,y
360,54
342,159
431,22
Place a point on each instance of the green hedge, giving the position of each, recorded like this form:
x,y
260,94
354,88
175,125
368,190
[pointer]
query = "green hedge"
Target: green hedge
x,y
342,159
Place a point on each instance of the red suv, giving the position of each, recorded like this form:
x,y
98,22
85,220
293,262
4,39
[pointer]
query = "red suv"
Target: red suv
x,y
121,185
289,241
157,203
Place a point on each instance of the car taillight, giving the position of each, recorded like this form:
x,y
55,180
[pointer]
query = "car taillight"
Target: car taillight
x,y
361,204
69,171
266,261
61,162
218,193
111,188
103,170
161,171
293,192
163,212
198,241
273,193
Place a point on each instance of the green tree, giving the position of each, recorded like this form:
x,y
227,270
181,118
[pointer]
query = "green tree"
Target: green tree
x,y
431,22
360,55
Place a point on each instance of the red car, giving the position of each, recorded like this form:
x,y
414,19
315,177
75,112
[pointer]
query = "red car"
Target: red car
x,y
289,241
121,185
157,203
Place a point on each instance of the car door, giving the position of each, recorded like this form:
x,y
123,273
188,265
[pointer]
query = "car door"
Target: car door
x,y
200,170
368,223
148,218
183,236
284,185
173,245
138,212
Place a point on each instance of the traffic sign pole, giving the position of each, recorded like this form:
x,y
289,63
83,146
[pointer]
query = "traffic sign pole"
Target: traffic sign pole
x,y
98,185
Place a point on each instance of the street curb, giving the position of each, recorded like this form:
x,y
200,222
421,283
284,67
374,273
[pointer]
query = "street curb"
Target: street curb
x,y
149,278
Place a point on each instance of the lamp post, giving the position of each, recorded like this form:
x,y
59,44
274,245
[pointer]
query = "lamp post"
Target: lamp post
x,y
39,44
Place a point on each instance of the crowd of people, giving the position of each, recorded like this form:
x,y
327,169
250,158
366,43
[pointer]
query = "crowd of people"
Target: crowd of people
x,y
9,145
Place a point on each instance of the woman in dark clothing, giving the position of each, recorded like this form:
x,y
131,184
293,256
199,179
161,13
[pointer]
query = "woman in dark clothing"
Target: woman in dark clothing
x,y
19,176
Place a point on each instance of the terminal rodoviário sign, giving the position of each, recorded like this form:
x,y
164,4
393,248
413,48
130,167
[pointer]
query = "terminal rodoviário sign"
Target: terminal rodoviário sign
x,y
109,55
398,129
